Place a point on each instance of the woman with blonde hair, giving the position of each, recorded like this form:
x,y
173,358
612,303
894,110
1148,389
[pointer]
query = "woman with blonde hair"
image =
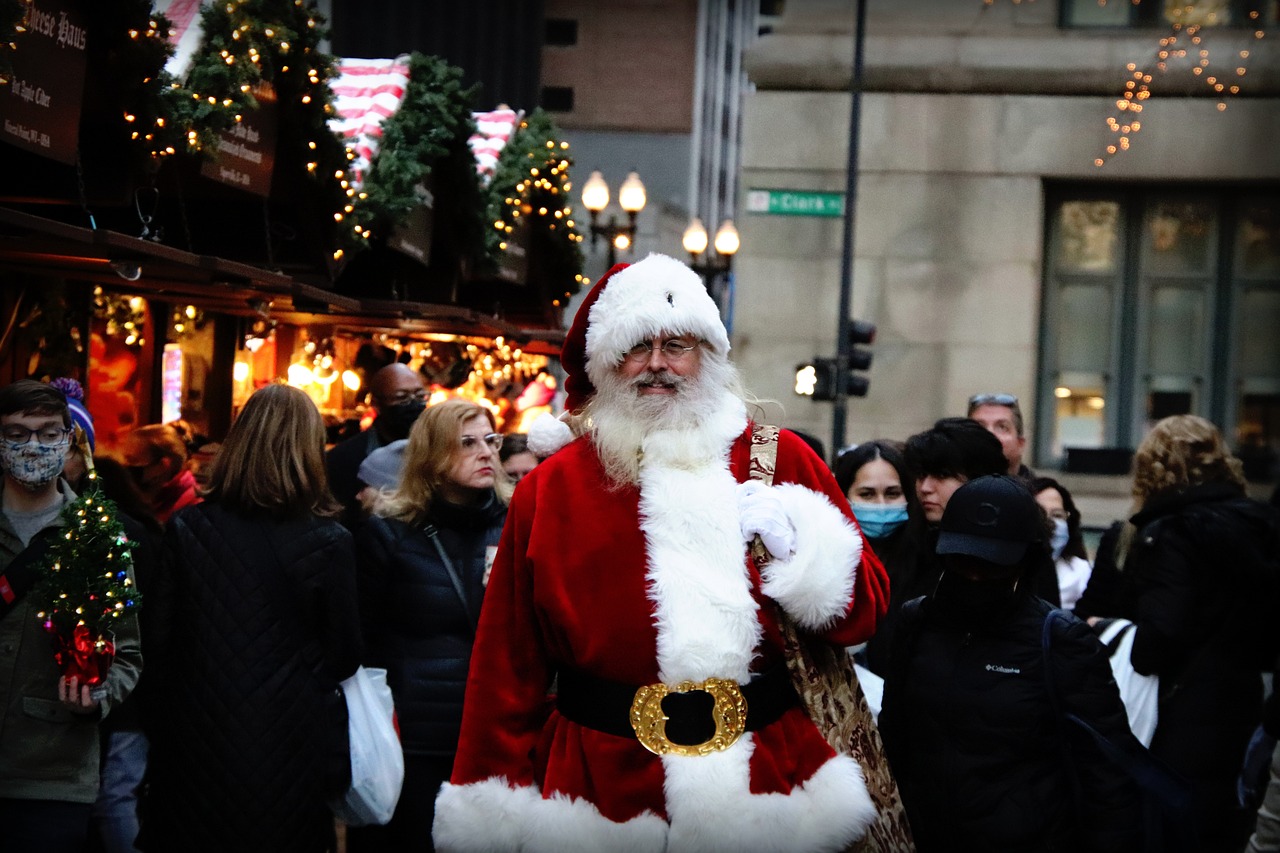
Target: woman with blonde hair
x,y
424,557
1201,584
254,626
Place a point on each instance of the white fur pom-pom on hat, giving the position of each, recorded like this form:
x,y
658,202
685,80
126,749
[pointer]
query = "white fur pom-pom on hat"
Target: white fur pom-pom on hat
x,y
548,434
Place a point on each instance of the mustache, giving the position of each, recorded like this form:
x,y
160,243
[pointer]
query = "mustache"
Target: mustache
x,y
659,377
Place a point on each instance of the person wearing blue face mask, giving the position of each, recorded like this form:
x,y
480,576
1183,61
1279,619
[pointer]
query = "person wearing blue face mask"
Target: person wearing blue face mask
x,y
872,475
1070,558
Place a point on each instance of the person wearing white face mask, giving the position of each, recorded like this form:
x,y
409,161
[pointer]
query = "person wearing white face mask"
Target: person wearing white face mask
x,y
1070,558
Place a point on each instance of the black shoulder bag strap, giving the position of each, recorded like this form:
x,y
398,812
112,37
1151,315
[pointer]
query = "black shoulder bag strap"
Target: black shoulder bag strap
x,y
434,535
23,570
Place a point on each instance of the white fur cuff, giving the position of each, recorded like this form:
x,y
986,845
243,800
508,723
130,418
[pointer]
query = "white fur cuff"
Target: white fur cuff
x,y
815,586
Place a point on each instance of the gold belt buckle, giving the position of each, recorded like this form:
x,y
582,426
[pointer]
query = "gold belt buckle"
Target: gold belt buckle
x,y
650,723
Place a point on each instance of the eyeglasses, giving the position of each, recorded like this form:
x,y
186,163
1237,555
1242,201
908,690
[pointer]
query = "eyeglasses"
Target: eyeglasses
x,y
404,396
471,444
673,349
992,399
50,436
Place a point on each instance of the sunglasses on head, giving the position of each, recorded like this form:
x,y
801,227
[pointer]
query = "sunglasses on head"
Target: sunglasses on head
x,y
993,399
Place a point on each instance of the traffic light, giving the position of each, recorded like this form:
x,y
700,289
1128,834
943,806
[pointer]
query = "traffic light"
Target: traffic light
x,y
860,332
819,379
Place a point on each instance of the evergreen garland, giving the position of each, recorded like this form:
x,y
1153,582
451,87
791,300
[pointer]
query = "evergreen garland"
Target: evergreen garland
x,y
275,41
86,578
531,185
428,134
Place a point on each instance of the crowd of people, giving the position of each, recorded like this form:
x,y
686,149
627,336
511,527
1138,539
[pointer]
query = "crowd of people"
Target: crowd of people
x,y
585,629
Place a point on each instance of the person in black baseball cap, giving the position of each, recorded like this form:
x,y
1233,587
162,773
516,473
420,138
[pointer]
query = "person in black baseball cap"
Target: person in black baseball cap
x,y
968,723
989,527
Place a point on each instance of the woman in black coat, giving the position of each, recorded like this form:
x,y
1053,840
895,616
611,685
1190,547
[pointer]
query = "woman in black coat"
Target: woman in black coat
x,y
1200,580
254,626
983,756
424,558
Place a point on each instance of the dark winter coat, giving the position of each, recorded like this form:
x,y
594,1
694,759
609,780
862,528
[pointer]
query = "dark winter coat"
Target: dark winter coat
x,y
254,625
1202,586
973,738
419,621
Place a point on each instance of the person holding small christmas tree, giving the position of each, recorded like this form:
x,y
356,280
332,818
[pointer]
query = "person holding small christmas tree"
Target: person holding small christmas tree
x,y
55,686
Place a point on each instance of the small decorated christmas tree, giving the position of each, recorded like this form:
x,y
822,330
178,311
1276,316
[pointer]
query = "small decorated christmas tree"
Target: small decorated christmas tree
x,y
86,585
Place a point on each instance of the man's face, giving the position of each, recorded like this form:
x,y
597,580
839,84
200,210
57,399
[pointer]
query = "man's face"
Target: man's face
x,y
400,387
657,367
999,421
934,491
34,448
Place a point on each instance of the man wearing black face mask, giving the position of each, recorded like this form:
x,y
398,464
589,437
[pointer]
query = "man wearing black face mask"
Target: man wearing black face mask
x,y
399,395
983,758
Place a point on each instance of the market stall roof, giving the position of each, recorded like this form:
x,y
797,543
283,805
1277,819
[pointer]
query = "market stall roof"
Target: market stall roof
x,y
42,246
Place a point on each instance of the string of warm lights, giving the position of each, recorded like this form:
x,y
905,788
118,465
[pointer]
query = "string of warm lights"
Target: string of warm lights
x,y
13,22
1185,41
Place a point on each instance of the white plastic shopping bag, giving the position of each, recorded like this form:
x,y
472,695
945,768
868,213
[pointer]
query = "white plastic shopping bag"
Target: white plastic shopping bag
x,y
1141,693
377,761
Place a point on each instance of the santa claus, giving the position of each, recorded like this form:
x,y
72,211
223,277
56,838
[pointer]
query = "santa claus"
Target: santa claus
x,y
628,689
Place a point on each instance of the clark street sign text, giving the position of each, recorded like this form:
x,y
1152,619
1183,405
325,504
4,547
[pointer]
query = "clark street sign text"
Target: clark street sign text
x,y
795,202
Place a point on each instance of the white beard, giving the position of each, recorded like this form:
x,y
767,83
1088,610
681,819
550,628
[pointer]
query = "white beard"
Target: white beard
x,y
689,429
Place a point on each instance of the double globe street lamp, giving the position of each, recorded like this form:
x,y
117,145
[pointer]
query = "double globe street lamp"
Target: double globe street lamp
x,y
716,268
631,198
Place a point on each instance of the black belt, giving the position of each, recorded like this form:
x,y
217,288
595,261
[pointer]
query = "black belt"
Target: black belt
x,y
605,705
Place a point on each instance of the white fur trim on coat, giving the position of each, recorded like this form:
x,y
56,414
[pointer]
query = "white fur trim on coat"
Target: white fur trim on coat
x,y
705,615
495,816
658,294
712,809
815,585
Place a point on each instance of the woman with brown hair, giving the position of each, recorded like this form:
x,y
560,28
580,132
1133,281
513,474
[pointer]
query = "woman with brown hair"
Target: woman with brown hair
x,y
1200,581
254,626
424,558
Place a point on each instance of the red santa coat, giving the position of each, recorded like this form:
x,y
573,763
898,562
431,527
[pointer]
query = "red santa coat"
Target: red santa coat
x,y
645,585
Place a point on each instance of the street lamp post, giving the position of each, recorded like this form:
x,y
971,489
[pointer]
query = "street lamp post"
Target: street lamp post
x,y
631,198
718,266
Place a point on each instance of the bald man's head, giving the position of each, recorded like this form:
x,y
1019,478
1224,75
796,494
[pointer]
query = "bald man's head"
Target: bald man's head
x,y
394,384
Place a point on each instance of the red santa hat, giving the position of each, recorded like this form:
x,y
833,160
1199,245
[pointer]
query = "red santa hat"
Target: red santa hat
x,y
634,303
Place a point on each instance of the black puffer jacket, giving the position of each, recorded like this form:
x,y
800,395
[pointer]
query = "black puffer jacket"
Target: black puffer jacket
x,y
418,624
1203,586
254,624
971,733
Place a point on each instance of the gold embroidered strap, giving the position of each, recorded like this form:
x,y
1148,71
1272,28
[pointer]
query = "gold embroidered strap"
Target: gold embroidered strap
x,y
764,453
828,686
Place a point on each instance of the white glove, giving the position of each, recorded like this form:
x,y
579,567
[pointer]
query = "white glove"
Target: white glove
x,y
760,511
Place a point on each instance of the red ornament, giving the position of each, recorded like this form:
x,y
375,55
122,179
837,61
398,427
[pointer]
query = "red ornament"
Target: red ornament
x,y
82,656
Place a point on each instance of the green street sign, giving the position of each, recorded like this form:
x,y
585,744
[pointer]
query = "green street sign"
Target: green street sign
x,y
795,202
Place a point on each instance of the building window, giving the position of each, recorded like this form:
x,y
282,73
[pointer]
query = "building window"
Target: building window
x,y
557,99
1160,302
1166,13
560,32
